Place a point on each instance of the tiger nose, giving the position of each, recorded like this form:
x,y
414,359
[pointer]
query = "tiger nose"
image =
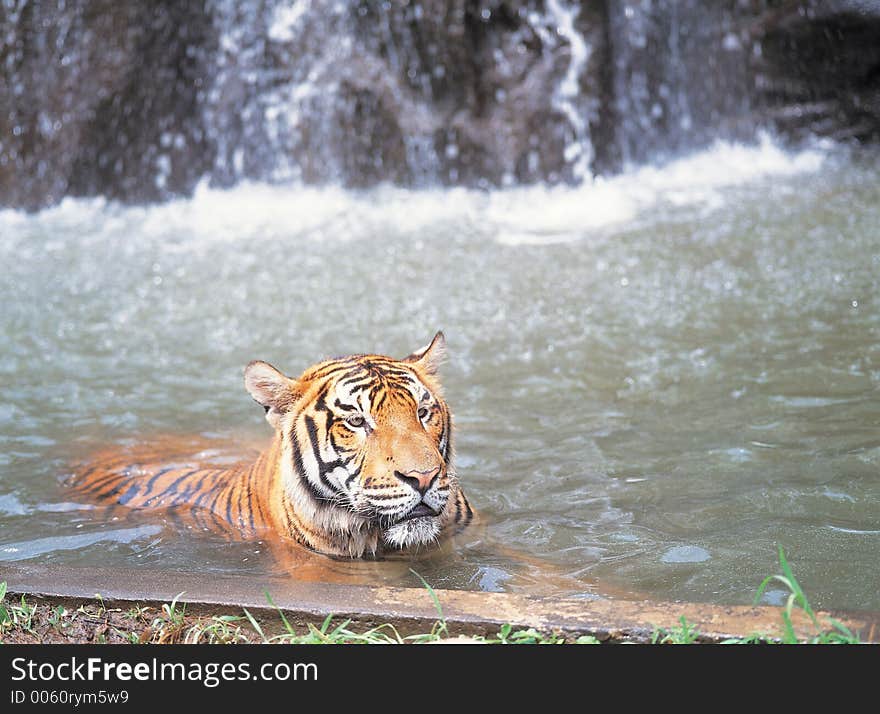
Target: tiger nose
x,y
421,481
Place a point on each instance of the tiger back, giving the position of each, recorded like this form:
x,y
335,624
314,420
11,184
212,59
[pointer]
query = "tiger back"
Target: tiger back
x,y
360,463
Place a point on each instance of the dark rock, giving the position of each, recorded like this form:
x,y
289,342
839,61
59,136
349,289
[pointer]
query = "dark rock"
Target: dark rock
x,y
818,69
100,97
144,140
680,77
141,101
466,88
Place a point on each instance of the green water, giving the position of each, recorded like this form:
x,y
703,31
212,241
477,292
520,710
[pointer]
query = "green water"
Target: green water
x,y
655,380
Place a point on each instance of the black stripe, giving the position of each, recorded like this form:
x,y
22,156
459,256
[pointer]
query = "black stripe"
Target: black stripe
x,y
352,476
231,490
470,513
196,485
171,488
250,504
84,474
293,527
321,399
212,505
323,468
447,434
258,502
361,376
161,472
115,490
300,467
342,364
100,483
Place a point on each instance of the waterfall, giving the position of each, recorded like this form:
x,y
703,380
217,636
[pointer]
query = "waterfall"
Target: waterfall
x,y
143,101
568,97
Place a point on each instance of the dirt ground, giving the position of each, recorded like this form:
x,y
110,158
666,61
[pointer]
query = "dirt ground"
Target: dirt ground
x,y
56,621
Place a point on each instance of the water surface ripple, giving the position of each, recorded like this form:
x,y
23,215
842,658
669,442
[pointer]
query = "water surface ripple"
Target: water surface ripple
x,y
656,379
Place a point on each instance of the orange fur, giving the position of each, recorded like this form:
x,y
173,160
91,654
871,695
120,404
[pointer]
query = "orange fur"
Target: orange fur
x,y
360,463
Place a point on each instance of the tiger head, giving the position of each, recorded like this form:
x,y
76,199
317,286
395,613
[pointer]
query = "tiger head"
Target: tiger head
x,y
365,445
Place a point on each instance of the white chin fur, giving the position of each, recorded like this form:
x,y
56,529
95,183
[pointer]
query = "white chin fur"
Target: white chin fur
x,y
416,531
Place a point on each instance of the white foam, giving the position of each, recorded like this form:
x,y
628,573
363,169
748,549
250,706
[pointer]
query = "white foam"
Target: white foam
x,y
322,213
513,216
535,214
726,163
285,19
541,215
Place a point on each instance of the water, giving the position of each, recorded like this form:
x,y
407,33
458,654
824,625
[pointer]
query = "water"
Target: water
x,y
656,379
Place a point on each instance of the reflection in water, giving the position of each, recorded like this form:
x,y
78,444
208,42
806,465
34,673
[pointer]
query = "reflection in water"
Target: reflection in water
x,y
656,379
41,546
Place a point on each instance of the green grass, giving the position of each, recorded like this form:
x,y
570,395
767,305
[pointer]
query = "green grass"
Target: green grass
x,y
685,634
19,615
171,624
832,632
219,630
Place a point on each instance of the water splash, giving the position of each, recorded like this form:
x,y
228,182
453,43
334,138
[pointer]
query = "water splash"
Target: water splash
x,y
566,213
700,179
568,97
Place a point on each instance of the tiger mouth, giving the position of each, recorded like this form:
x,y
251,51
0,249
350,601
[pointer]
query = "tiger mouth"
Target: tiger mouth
x,y
420,511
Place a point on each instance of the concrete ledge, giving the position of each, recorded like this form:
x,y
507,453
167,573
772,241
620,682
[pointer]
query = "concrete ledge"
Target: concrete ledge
x,y
412,609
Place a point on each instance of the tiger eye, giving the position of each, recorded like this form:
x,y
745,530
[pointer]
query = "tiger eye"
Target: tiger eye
x,y
356,421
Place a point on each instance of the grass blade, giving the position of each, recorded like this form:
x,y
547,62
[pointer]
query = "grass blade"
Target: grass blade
x,y
796,587
433,595
255,625
287,625
4,614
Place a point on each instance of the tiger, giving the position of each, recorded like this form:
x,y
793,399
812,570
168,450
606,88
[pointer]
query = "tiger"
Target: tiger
x,y
359,465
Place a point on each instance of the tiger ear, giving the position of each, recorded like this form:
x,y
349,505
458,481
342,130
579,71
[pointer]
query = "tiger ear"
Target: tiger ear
x,y
429,358
271,389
